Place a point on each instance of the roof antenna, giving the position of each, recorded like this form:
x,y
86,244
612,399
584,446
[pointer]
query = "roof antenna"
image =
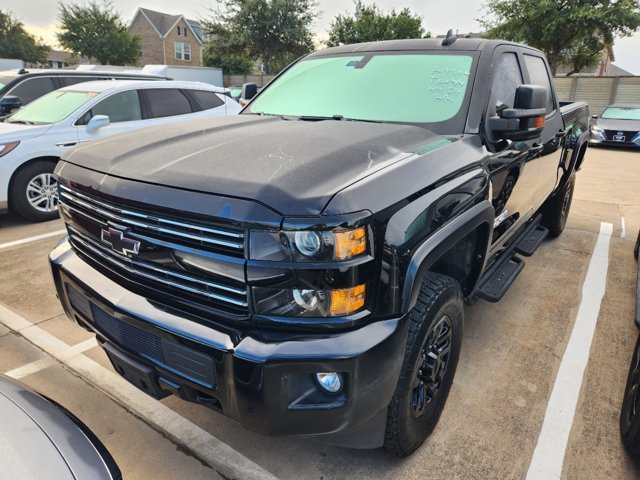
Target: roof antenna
x,y
449,39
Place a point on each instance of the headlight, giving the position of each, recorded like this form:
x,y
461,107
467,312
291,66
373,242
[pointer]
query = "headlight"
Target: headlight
x,y
308,245
597,129
309,302
7,147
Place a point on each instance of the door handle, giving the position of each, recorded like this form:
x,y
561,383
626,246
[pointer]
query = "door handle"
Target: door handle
x,y
536,148
562,133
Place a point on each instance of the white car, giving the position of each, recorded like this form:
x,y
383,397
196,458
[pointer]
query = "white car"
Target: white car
x,y
35,137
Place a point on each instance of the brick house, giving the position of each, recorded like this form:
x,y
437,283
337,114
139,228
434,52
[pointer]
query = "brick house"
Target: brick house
x,y
168,39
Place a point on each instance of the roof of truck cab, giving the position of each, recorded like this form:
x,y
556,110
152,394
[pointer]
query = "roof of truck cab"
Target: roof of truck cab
x,y
434,44
104,85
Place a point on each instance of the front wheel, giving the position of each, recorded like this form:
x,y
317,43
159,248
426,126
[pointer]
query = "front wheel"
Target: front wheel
x,y
34,192
431,357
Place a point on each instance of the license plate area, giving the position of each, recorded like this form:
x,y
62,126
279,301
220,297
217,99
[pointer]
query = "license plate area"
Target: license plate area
x,y
136,373
619,138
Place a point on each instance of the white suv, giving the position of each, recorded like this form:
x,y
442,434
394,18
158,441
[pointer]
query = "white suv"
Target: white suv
x,y
35,137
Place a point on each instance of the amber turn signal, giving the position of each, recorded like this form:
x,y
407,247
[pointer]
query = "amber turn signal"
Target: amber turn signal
x,y
349,244
346,300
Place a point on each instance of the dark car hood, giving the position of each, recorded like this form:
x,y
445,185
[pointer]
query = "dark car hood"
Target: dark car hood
x,y
293,166
620,125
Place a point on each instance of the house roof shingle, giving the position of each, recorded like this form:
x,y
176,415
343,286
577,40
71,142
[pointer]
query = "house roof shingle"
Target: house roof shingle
x,y
163,22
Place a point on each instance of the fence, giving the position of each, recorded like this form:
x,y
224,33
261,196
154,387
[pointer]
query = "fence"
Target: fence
x,y
237,80
598,92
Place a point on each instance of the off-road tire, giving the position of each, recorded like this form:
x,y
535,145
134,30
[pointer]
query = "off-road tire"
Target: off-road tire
x,y
439,296
630,419
18,201
555,211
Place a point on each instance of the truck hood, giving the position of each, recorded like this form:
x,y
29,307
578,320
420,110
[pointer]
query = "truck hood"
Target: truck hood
x,y
292,166
10,132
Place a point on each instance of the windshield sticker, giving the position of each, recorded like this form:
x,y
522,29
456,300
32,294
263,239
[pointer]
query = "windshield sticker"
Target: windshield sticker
x,y
446,84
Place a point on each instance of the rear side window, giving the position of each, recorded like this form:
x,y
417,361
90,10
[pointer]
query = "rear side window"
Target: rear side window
x,y
539,76
32,88
506,79
206,99
166,102
72,80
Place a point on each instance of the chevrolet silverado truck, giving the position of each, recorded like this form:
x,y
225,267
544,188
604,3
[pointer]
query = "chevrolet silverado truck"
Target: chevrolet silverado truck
x,y
302,268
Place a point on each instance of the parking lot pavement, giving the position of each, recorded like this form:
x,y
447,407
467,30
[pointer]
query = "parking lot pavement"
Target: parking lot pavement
x,y
490,427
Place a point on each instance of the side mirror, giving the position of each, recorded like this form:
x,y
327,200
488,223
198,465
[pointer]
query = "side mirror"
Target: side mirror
x,y
595,117
249,90
9,103
97,122
525,120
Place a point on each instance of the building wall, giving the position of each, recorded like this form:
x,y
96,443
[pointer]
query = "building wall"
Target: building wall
x,y
152,52
598,92
196,48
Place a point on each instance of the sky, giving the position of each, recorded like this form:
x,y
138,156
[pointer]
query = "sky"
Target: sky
x,y
40,18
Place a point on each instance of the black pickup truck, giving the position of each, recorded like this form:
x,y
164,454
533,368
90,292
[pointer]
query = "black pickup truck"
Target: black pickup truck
x,y
302,267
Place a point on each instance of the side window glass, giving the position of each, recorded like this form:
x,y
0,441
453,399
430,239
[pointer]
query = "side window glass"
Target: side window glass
x,y
506,79
539,76
32,88
207,99
119,107
167,102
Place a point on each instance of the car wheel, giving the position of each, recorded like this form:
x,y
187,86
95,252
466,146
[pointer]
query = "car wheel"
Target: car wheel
x,y
556,210
430,361
34,192
630,413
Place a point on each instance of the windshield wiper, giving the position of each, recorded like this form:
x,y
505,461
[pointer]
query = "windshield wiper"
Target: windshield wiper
x,y
23,122
314,118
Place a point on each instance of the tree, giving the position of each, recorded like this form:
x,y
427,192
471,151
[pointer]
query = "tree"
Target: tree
x,y
571,33
369,24
16,43
267,30
233,64
95,30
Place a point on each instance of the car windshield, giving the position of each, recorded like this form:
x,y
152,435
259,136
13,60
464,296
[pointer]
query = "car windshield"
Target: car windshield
x,y
407,87
622,113
51,108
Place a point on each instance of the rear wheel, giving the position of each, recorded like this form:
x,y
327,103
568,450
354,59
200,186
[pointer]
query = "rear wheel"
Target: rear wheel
x,y
431,357
630,413
556,209
34,192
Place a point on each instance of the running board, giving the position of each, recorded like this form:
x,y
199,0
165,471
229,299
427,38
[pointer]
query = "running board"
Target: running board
x,y
501,275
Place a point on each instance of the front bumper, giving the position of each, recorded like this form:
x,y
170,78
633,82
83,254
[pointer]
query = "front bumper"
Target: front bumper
x,y
600,138
263,379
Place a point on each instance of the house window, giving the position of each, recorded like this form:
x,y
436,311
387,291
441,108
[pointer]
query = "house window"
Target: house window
x,y
182,31
183,51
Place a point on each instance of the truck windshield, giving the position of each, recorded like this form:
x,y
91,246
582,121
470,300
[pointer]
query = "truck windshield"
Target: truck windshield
x,y
412,87
51,108
621,113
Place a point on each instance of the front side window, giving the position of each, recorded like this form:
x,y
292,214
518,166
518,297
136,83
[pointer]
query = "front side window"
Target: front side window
x,y
538,75
119,107
32,88
207,99
51,108
621,113
386,87
506,79
183,51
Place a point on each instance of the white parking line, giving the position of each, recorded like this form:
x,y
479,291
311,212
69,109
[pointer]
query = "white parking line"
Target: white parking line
x,y
224,459
31,239
548,456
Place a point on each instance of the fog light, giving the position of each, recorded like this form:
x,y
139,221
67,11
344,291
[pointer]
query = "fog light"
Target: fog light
x,y
330,382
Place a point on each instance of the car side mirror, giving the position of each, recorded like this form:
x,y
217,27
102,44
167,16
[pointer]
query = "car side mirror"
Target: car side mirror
x,y
525,120
96,122
9,103
595,117
249,90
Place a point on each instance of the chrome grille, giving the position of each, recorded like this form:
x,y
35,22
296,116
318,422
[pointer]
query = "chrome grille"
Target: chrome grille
x,y
155,267
103,212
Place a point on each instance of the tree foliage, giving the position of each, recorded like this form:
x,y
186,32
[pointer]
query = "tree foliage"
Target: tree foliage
x,y
569,32
16,43
95,30
216,55
266,30
370,24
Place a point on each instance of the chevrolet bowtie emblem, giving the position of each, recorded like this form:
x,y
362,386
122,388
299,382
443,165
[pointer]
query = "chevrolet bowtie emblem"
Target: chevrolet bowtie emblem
x,y
118,242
